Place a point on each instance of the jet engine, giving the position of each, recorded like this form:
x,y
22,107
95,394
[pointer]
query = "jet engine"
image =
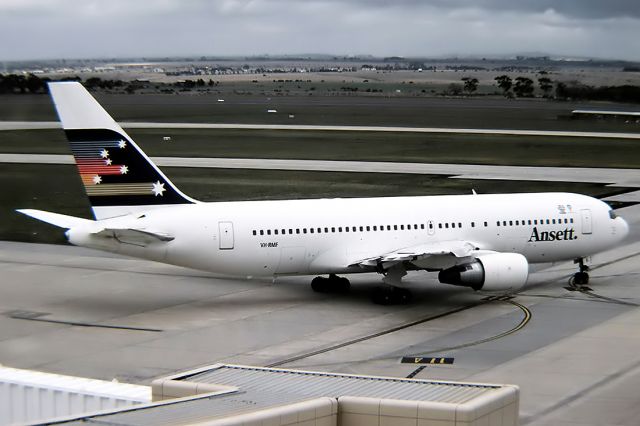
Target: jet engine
x,y
489,272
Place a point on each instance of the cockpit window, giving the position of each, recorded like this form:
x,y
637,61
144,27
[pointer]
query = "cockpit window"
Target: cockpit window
x,y
612,214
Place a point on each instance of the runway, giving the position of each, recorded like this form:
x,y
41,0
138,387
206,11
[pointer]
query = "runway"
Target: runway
x,y
35,125
576,356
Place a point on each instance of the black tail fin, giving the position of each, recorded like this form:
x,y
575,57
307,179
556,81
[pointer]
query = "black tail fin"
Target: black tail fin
x,y
117,175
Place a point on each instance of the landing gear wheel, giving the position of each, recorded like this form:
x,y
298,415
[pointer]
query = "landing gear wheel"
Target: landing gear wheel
x,y
320,285
333,284
581,278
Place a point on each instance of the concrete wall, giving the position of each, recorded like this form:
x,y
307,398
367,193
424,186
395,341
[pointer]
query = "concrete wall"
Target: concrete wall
x,y
498,409
315,412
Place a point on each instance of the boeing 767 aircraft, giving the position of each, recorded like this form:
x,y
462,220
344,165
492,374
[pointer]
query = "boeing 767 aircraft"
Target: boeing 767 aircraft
x,y
485,242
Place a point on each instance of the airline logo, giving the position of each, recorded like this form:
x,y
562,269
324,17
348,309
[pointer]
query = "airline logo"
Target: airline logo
x,y
115,172
95,161
565,235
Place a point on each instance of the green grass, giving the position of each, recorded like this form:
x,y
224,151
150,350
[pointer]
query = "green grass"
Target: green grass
x,y
57,188
362,146
480,112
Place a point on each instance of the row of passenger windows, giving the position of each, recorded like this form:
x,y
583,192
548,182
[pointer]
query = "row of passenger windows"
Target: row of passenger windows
x,y
334,229
534,222
376,228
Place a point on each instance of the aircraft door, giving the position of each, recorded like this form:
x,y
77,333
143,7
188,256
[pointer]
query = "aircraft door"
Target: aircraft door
x,y
226,235
586,221
431,228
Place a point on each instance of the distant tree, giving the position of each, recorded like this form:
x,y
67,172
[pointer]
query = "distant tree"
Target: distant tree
x,y
470,84
454,89
546,85
523,87
505,83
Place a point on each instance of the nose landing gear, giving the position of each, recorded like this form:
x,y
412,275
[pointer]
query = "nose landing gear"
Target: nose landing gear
x,y
581,277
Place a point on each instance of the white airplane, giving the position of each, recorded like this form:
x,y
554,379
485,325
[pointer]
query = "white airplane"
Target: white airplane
x,y
485,242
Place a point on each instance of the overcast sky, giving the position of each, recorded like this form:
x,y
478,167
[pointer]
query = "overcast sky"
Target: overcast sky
x,y
46,29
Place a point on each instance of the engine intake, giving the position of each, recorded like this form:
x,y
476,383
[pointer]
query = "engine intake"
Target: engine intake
x,y
490,272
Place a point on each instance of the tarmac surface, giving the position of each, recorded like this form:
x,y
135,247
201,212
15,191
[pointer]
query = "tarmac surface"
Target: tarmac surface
x,y
575,354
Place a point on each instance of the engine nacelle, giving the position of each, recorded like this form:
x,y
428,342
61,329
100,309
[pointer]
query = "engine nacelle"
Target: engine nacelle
x,y
490,272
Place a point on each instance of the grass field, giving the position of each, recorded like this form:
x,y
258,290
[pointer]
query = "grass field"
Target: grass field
x,y
363,146
534,114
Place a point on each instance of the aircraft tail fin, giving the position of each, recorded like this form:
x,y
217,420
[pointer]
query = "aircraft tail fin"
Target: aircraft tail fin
x,y
118,176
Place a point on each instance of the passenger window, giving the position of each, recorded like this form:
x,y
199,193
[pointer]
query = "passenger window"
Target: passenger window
x,y
375,228
504,223
571,220
422,226
304,230
553,221
290,231
346,229
340,229
459,225
473,224
395,227
440,225
275,232
430,225
486,224
268,231
453,225
319,230
254,232
446,225
333,229
510,223
284,231
529,221
498,223
368,228
535,221
261,232
517,223
547,221
311,230
297,230
354,229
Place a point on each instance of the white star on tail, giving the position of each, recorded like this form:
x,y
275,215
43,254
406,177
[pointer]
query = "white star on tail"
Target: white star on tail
x,y
122,144
158,188
97,180
104,153
124,170
108,161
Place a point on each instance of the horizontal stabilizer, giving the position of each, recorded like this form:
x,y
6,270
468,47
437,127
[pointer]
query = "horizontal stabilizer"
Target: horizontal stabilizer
x,y
61,220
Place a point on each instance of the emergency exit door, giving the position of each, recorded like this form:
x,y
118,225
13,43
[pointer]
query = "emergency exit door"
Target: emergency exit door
x,y
226,235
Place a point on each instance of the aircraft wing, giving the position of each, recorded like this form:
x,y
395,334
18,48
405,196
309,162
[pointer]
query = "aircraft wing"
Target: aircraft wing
x,y
429,256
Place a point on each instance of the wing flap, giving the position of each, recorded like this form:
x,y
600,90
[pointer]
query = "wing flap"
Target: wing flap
x,y
422,255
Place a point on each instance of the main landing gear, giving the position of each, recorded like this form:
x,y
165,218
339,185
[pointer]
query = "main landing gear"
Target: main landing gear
x,y
581,277
333,284
390,295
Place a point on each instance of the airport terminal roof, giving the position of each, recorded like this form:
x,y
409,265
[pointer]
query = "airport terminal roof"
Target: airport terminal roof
x,y
255,388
